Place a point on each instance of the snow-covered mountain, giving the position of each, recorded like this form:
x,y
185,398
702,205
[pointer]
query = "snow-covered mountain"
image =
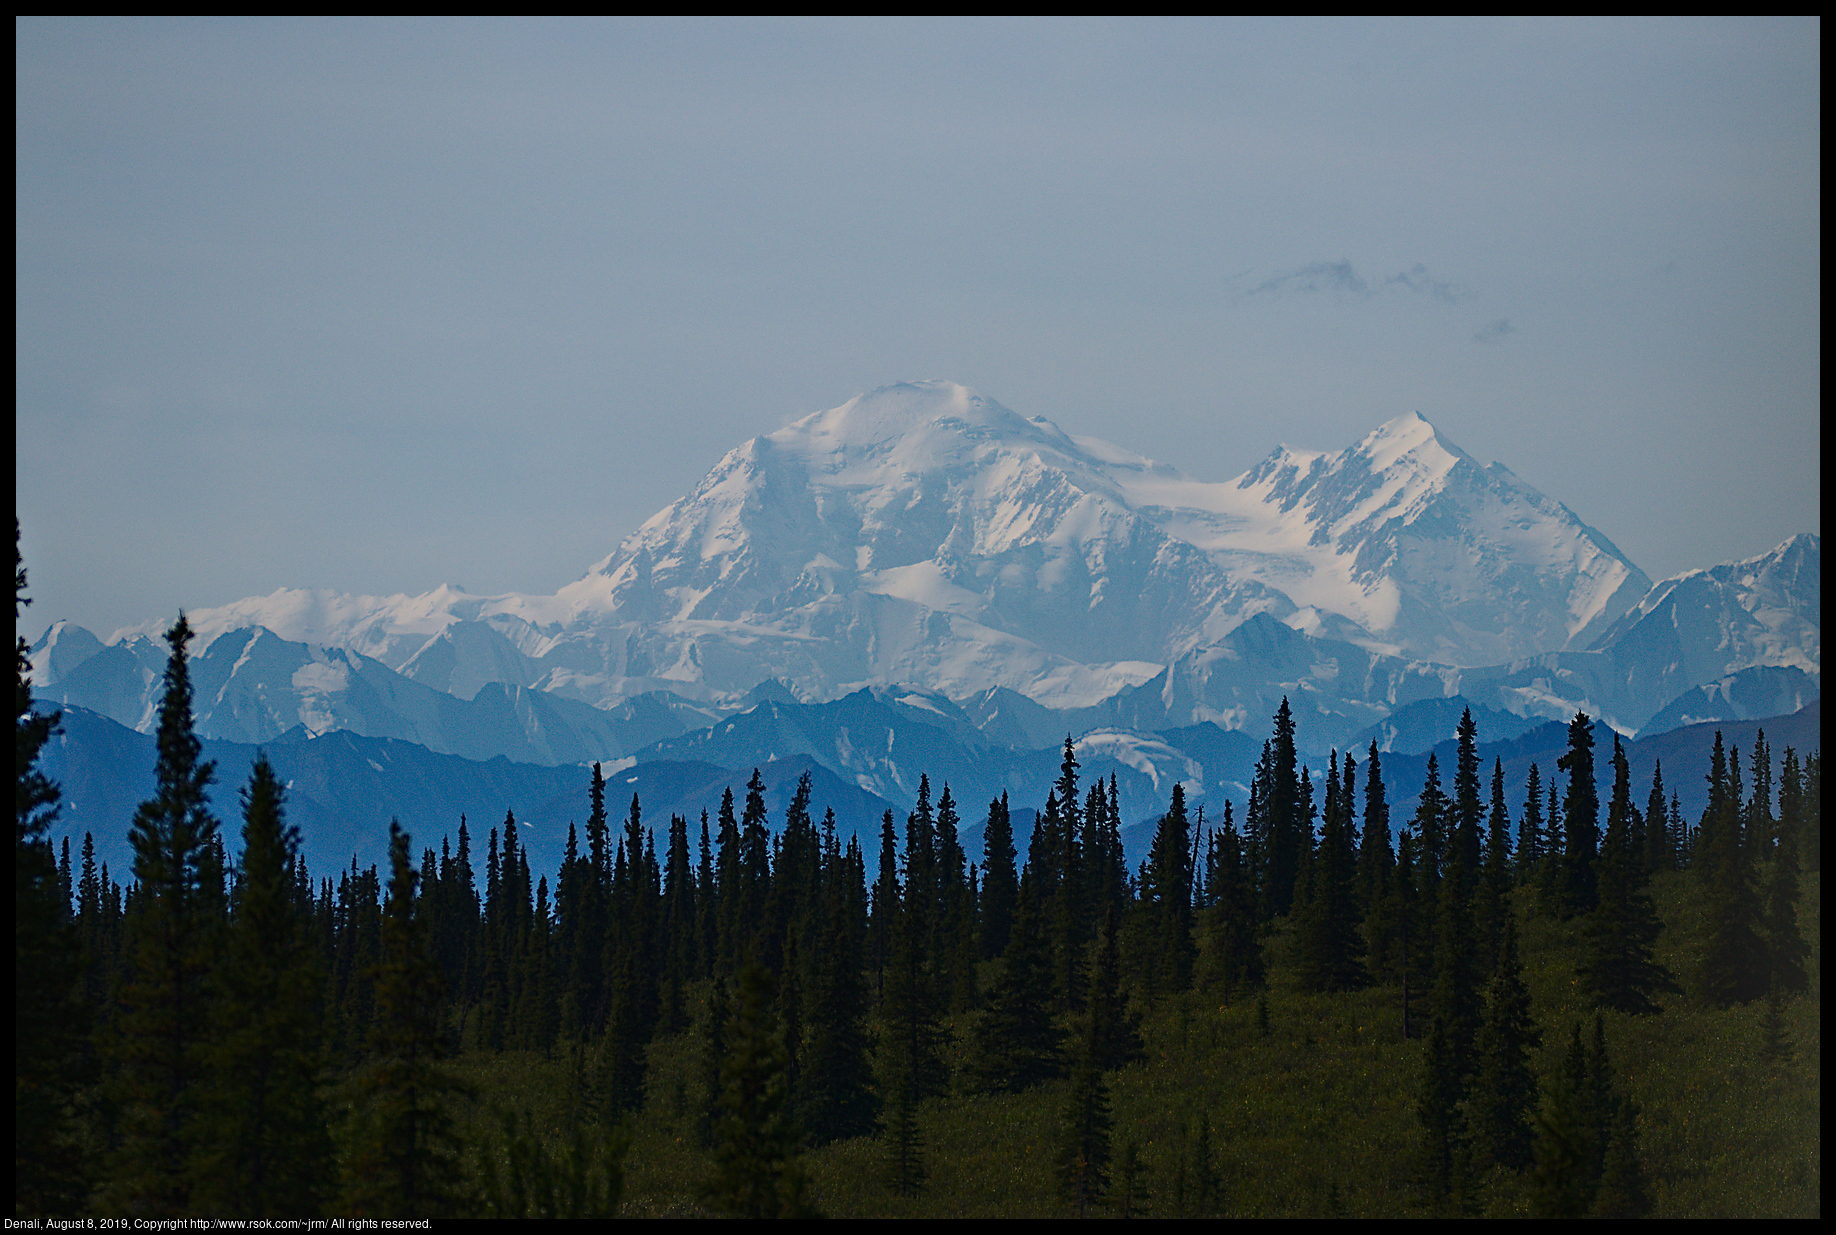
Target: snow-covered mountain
x,y
249,685
923,535
1409,538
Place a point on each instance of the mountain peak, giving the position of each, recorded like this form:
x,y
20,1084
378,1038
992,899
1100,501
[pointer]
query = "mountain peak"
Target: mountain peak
x,y
1410,435
892,412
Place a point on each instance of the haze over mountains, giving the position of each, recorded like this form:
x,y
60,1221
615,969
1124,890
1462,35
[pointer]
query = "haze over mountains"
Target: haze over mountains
x,y
1013,584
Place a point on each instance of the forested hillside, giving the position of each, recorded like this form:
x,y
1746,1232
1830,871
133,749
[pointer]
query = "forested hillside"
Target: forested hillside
x,y
1531,1002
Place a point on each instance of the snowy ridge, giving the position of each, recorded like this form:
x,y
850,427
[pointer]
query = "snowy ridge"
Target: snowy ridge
x,y
922,535
1417,549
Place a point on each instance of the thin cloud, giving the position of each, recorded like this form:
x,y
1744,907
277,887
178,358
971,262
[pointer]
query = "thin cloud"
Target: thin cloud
x,y
1317,277
1496,332
1417,279
1342,278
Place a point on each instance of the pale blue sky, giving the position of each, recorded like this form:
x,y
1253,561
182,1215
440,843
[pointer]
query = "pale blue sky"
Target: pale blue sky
x,y
373,305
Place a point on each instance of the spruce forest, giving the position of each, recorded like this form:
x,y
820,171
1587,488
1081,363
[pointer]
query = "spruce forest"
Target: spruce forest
x,y
1532,999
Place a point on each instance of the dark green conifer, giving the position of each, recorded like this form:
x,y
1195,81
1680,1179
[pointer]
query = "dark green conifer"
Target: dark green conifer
x,y
403,1154
707,901
1468,809
1331,948
50,1174
1580,819
885,905
1376,857
715,1021
1787,954
1733,966
837,1099
1129,1192
755,862
905,1167
919,900
1549,887
732,926
1236,955
1406,960
1017,1041
1166,897
1564,1181
1116,1029
1792,805
1438,1109
1760,825
757,1170
1084,1146
1000,883
1491,903
953,935
1286,837
166,1025
1430,824
1775,1042
911,1050
523,1178
1066,907
1530,829
1620,971
1458,983
681,965
1624,1191
270,1153
1503,1097
1658,855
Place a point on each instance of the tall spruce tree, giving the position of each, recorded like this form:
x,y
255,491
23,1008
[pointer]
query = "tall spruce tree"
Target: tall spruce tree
x,y
1000,882
837,1098
1565,1180
1787,954
1459,972
1232,913
1115,1028
1503,1098
912,1053
1017,1041
757,1170
1495,880
1658,855
1733,965
681,963
1438,1108
1587,1141
1469,817
1580,819
905,1165
1431,822
1286,838
1376,857
1084,1145
166,1025
50,1173
403,1153
270,1153
1620,971
1330,945
1530,828
885,905
1166,895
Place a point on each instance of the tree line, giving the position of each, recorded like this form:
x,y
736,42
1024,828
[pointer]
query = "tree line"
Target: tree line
x,y
248,1039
